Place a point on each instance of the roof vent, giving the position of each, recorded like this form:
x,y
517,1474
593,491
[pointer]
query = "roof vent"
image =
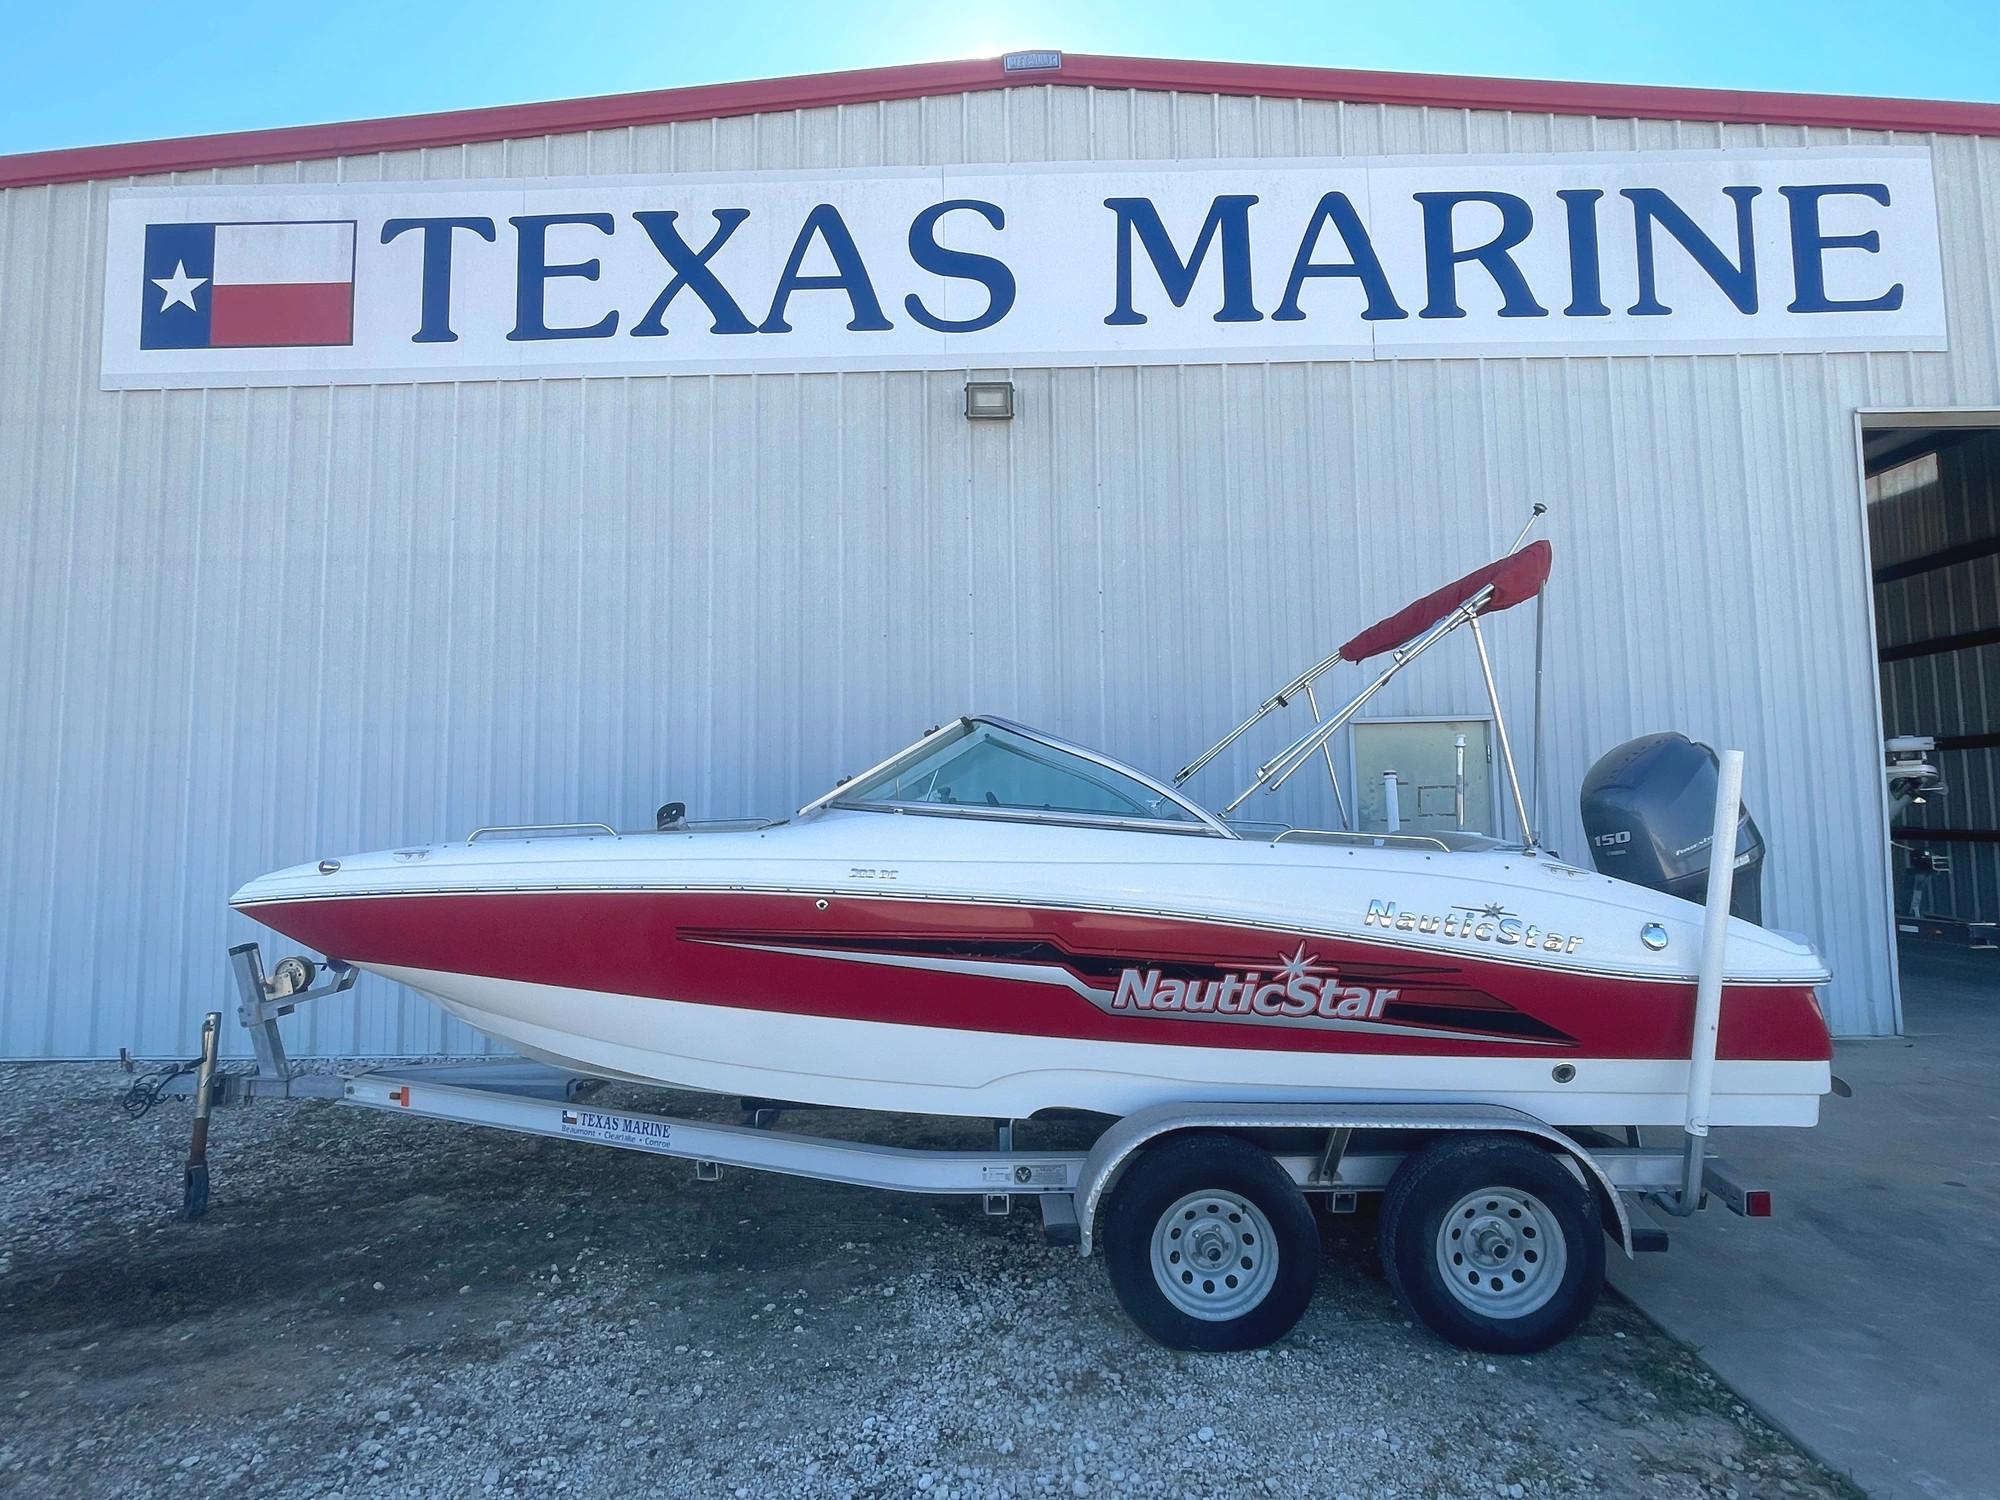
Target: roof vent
x,y
1031,62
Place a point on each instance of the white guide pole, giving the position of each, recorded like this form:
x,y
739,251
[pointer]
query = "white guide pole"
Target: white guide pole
x,y
1391,804
1458,797
1708,982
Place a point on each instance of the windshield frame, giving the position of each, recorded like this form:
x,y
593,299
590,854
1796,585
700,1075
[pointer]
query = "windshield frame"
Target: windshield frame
x,y
1201,822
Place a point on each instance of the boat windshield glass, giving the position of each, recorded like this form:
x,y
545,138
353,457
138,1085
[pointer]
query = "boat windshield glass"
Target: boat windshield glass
x,y
983,766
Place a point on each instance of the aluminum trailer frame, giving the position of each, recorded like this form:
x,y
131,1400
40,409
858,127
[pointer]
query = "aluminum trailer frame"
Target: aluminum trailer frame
x,y
1355,1148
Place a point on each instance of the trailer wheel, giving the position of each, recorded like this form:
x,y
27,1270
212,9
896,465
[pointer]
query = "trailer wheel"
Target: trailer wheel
x,y
1210,1245
1493,1244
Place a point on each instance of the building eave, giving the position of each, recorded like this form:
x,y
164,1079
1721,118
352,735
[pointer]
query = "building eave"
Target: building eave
x,y
938,79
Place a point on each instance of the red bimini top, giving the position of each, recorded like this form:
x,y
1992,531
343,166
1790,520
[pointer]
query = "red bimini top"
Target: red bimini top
x,y
1515,577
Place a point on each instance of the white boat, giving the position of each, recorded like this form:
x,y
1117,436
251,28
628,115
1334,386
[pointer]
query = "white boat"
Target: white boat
x,y
994,922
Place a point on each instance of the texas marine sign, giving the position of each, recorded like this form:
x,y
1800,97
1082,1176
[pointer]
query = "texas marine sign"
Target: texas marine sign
x,y
1050,264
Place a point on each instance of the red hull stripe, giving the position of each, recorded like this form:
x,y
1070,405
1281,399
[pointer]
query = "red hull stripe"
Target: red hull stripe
x,y
939,79
281,315
662,944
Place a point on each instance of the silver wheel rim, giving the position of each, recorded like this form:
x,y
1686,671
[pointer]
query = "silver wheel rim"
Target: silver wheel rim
x,y
1501,1252
1214,1255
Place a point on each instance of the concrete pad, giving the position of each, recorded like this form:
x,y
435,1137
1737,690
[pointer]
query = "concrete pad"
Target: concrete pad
x,y
1864,1320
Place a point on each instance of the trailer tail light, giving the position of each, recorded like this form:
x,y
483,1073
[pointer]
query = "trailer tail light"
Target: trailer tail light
x,y
401,1096
1757,1203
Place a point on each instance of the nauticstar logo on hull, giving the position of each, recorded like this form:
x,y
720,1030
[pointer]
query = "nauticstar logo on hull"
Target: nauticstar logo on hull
x,y
1474,924
1294,992
1299,991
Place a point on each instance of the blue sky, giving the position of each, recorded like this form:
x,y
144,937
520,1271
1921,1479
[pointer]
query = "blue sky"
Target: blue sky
x,y
136,69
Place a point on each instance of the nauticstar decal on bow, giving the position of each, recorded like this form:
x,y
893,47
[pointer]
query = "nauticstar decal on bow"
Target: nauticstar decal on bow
x,y
1473,924
1296,990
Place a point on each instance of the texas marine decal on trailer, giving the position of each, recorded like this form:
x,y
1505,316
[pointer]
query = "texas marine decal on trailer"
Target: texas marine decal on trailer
x,y
1295,989
612,1129
1066,263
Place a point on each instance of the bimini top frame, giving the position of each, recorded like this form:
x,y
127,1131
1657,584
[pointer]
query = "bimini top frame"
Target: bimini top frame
x,y
1520,575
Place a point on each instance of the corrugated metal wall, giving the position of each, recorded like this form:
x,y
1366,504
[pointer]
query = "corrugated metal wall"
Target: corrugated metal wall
x,y
1953,693
239,629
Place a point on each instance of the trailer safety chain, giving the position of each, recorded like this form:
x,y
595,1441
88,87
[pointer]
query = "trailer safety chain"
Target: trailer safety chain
x,y
148,1089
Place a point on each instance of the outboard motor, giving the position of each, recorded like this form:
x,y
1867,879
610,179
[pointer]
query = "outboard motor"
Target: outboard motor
x,y
1649,812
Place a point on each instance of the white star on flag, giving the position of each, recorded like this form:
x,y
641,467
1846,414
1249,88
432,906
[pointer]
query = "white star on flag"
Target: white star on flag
x,y
179,287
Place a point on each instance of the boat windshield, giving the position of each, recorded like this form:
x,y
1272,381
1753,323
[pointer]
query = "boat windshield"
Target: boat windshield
x,y
982,767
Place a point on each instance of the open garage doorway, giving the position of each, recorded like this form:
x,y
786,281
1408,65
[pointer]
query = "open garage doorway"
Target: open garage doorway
x,y
1933,504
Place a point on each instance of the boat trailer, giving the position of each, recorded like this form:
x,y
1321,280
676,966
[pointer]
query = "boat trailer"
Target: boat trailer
x,y
1358,1151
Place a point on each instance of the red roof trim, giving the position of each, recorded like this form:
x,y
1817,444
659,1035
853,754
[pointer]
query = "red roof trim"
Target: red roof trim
x,y
918,80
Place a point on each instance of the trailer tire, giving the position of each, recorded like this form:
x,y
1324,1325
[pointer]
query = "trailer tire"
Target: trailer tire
x,y
1210,1245
1493,1244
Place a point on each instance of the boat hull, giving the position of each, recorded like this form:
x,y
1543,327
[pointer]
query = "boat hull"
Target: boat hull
x,y
941,1006
927,1070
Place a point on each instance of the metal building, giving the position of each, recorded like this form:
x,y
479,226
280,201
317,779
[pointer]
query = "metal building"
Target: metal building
x,y
266,596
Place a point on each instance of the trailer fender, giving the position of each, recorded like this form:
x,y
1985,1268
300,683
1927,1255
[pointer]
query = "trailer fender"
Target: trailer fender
x,y
1116,1148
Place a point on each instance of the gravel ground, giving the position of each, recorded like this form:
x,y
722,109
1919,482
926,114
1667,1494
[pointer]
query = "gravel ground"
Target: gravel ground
x,y
391,1307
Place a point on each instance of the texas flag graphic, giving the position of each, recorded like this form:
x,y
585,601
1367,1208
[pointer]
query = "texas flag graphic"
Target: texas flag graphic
x,y
248,286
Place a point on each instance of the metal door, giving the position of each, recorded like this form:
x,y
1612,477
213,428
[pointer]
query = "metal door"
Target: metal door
x,y
1424,755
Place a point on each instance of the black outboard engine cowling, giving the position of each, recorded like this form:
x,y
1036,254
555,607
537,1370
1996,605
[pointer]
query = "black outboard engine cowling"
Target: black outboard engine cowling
x,y
1649,811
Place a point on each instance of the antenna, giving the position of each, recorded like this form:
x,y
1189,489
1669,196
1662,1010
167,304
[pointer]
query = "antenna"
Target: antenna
x,y
1539,511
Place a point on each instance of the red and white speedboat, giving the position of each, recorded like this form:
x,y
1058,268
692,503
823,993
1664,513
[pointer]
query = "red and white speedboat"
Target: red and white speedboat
x,y
995,922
